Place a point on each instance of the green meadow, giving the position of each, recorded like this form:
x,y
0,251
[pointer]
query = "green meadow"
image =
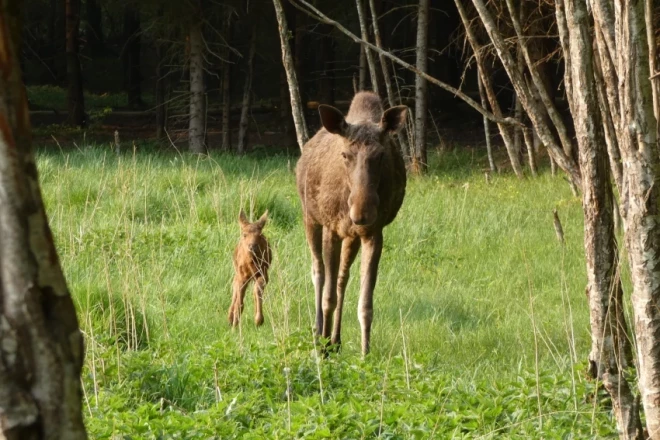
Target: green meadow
x,y
481,325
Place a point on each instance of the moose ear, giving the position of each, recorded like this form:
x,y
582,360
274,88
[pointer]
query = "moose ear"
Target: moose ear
x,y
262,220
242,219
394,119
332,120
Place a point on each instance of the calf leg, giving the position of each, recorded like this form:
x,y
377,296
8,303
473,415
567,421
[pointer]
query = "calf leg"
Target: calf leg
x,y
237,301
331,254
259,286
372,248
314,235
349,249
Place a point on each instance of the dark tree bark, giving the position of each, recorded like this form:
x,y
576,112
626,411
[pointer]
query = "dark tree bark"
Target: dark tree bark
x,y
299,40
226,83
419,160
95,39
197,122
131,57
57,41
244,123
42,346
326,58
161,81
76,100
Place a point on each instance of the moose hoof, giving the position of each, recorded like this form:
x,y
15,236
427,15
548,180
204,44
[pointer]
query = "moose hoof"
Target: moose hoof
x,y
258,320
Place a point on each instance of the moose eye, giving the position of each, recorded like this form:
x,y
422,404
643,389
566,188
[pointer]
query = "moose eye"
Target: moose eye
x,y
346,156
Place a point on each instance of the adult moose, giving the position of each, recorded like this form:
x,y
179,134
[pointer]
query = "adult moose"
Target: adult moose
x,y
351,180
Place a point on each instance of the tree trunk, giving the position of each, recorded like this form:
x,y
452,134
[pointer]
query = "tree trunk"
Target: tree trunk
x,y
197,124
131,57
161,104
300,39
403,134
505,131
287,60
419,160
639,151
534,110
539,84
42,346
95,38
371,62
326,65
489,148
247,92
528,135
75,98
362,79
57,38
226,84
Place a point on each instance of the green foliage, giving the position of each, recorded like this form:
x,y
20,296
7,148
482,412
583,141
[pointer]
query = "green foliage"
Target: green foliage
x,y
480,317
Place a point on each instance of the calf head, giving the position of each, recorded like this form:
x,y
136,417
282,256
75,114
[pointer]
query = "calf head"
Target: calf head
x,y
363,152
252,238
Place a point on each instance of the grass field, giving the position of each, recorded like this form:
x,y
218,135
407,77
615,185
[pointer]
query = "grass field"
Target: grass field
x,y
480,328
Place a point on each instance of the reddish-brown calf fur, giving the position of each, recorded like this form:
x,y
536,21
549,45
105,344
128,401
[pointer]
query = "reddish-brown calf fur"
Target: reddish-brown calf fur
x,y
252,259
351,180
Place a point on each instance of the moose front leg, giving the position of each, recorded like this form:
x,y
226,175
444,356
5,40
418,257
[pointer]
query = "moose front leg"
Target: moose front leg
x,y
331,254
349,249
237,300
372,248
259,286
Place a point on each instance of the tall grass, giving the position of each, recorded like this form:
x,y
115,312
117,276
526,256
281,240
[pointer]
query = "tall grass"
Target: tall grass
x,y
480,327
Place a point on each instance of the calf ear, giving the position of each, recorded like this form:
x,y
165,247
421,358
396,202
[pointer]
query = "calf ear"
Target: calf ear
x,y
332,120
262,220
394,119
242,219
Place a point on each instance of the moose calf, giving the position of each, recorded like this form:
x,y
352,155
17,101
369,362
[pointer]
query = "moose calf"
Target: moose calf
x,y
251,262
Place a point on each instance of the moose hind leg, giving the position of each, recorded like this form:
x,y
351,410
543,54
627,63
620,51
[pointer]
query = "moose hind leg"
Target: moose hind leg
x,y
349,250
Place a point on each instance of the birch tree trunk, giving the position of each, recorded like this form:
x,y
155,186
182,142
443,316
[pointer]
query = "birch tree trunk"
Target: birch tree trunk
x,y
610,348
371,61
639,151
42,347
287,60
226,83
75,98
419,159
244,124
489,148
197,125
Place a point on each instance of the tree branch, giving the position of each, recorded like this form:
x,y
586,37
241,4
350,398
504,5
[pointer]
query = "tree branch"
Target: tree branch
x,y
318,15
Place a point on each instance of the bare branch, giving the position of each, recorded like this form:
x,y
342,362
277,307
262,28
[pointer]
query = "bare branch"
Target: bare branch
x,y
318,15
